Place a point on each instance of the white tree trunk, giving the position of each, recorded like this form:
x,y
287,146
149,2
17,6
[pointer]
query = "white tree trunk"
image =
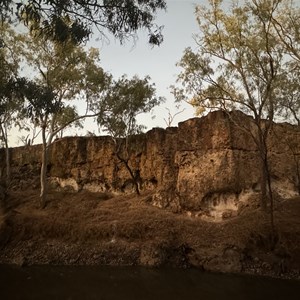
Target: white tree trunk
x,y
7,152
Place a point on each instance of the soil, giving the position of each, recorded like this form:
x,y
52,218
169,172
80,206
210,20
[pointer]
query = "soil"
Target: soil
x,y
87,228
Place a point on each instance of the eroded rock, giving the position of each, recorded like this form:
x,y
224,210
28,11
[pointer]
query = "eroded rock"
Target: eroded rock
x,y
206,165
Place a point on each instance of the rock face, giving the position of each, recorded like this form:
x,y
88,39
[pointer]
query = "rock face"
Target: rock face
x,y
207,164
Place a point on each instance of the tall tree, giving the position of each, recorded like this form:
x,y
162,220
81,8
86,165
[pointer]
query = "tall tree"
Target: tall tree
x,y
239,63
121,18
10,52
65,72
126,99
287,28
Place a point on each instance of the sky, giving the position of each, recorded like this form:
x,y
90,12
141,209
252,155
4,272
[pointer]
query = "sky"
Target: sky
x,y
139,58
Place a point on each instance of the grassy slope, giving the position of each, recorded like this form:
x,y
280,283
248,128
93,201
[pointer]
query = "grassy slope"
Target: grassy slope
x,y
93,228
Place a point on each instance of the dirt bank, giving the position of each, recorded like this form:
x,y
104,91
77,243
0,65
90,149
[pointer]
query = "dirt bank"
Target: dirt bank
x,y
98,229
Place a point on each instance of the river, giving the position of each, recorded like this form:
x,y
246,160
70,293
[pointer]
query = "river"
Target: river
x,y
106,283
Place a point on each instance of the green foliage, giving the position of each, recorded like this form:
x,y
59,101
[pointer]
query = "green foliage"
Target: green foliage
x,y
125,100
73,19
8,61
238,63
64,73
287,27
289,104
247,58
67,115
41,100
10,52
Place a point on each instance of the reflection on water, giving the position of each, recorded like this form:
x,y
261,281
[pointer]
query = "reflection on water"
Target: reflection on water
x,y
62,282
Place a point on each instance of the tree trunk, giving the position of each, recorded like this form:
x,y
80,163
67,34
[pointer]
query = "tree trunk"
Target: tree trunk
x,y
125,162
43,178
263,183
7,154
297,173
7,158
136,185
271,199
266,187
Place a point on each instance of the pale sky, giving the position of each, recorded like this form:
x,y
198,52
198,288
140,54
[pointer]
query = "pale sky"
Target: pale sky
x,y
141,59
157,62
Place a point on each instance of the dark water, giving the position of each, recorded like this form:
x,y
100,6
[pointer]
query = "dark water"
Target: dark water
x,y
44,282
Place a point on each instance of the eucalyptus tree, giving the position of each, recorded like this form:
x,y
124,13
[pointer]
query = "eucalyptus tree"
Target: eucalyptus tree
x,y
285,24
64,72
289,106
287,27
118,112
238,64
10,53
122,18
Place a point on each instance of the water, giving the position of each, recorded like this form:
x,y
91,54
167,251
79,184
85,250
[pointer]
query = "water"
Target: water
x,y
105,283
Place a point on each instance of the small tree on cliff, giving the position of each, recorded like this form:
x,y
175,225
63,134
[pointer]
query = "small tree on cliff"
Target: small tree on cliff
x,y
238,64
126,99
65,72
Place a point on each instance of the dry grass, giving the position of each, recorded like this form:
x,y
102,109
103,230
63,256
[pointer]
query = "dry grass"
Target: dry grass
x,y
101,228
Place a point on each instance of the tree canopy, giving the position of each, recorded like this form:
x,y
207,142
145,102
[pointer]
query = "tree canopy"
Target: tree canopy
x,y
10,58
246,58
238,62
125,100
74,19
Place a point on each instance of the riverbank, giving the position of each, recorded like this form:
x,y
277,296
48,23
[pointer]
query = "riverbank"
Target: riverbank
x,y
87,228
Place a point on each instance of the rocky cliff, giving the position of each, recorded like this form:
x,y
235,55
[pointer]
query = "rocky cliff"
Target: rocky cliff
x,y
207,165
